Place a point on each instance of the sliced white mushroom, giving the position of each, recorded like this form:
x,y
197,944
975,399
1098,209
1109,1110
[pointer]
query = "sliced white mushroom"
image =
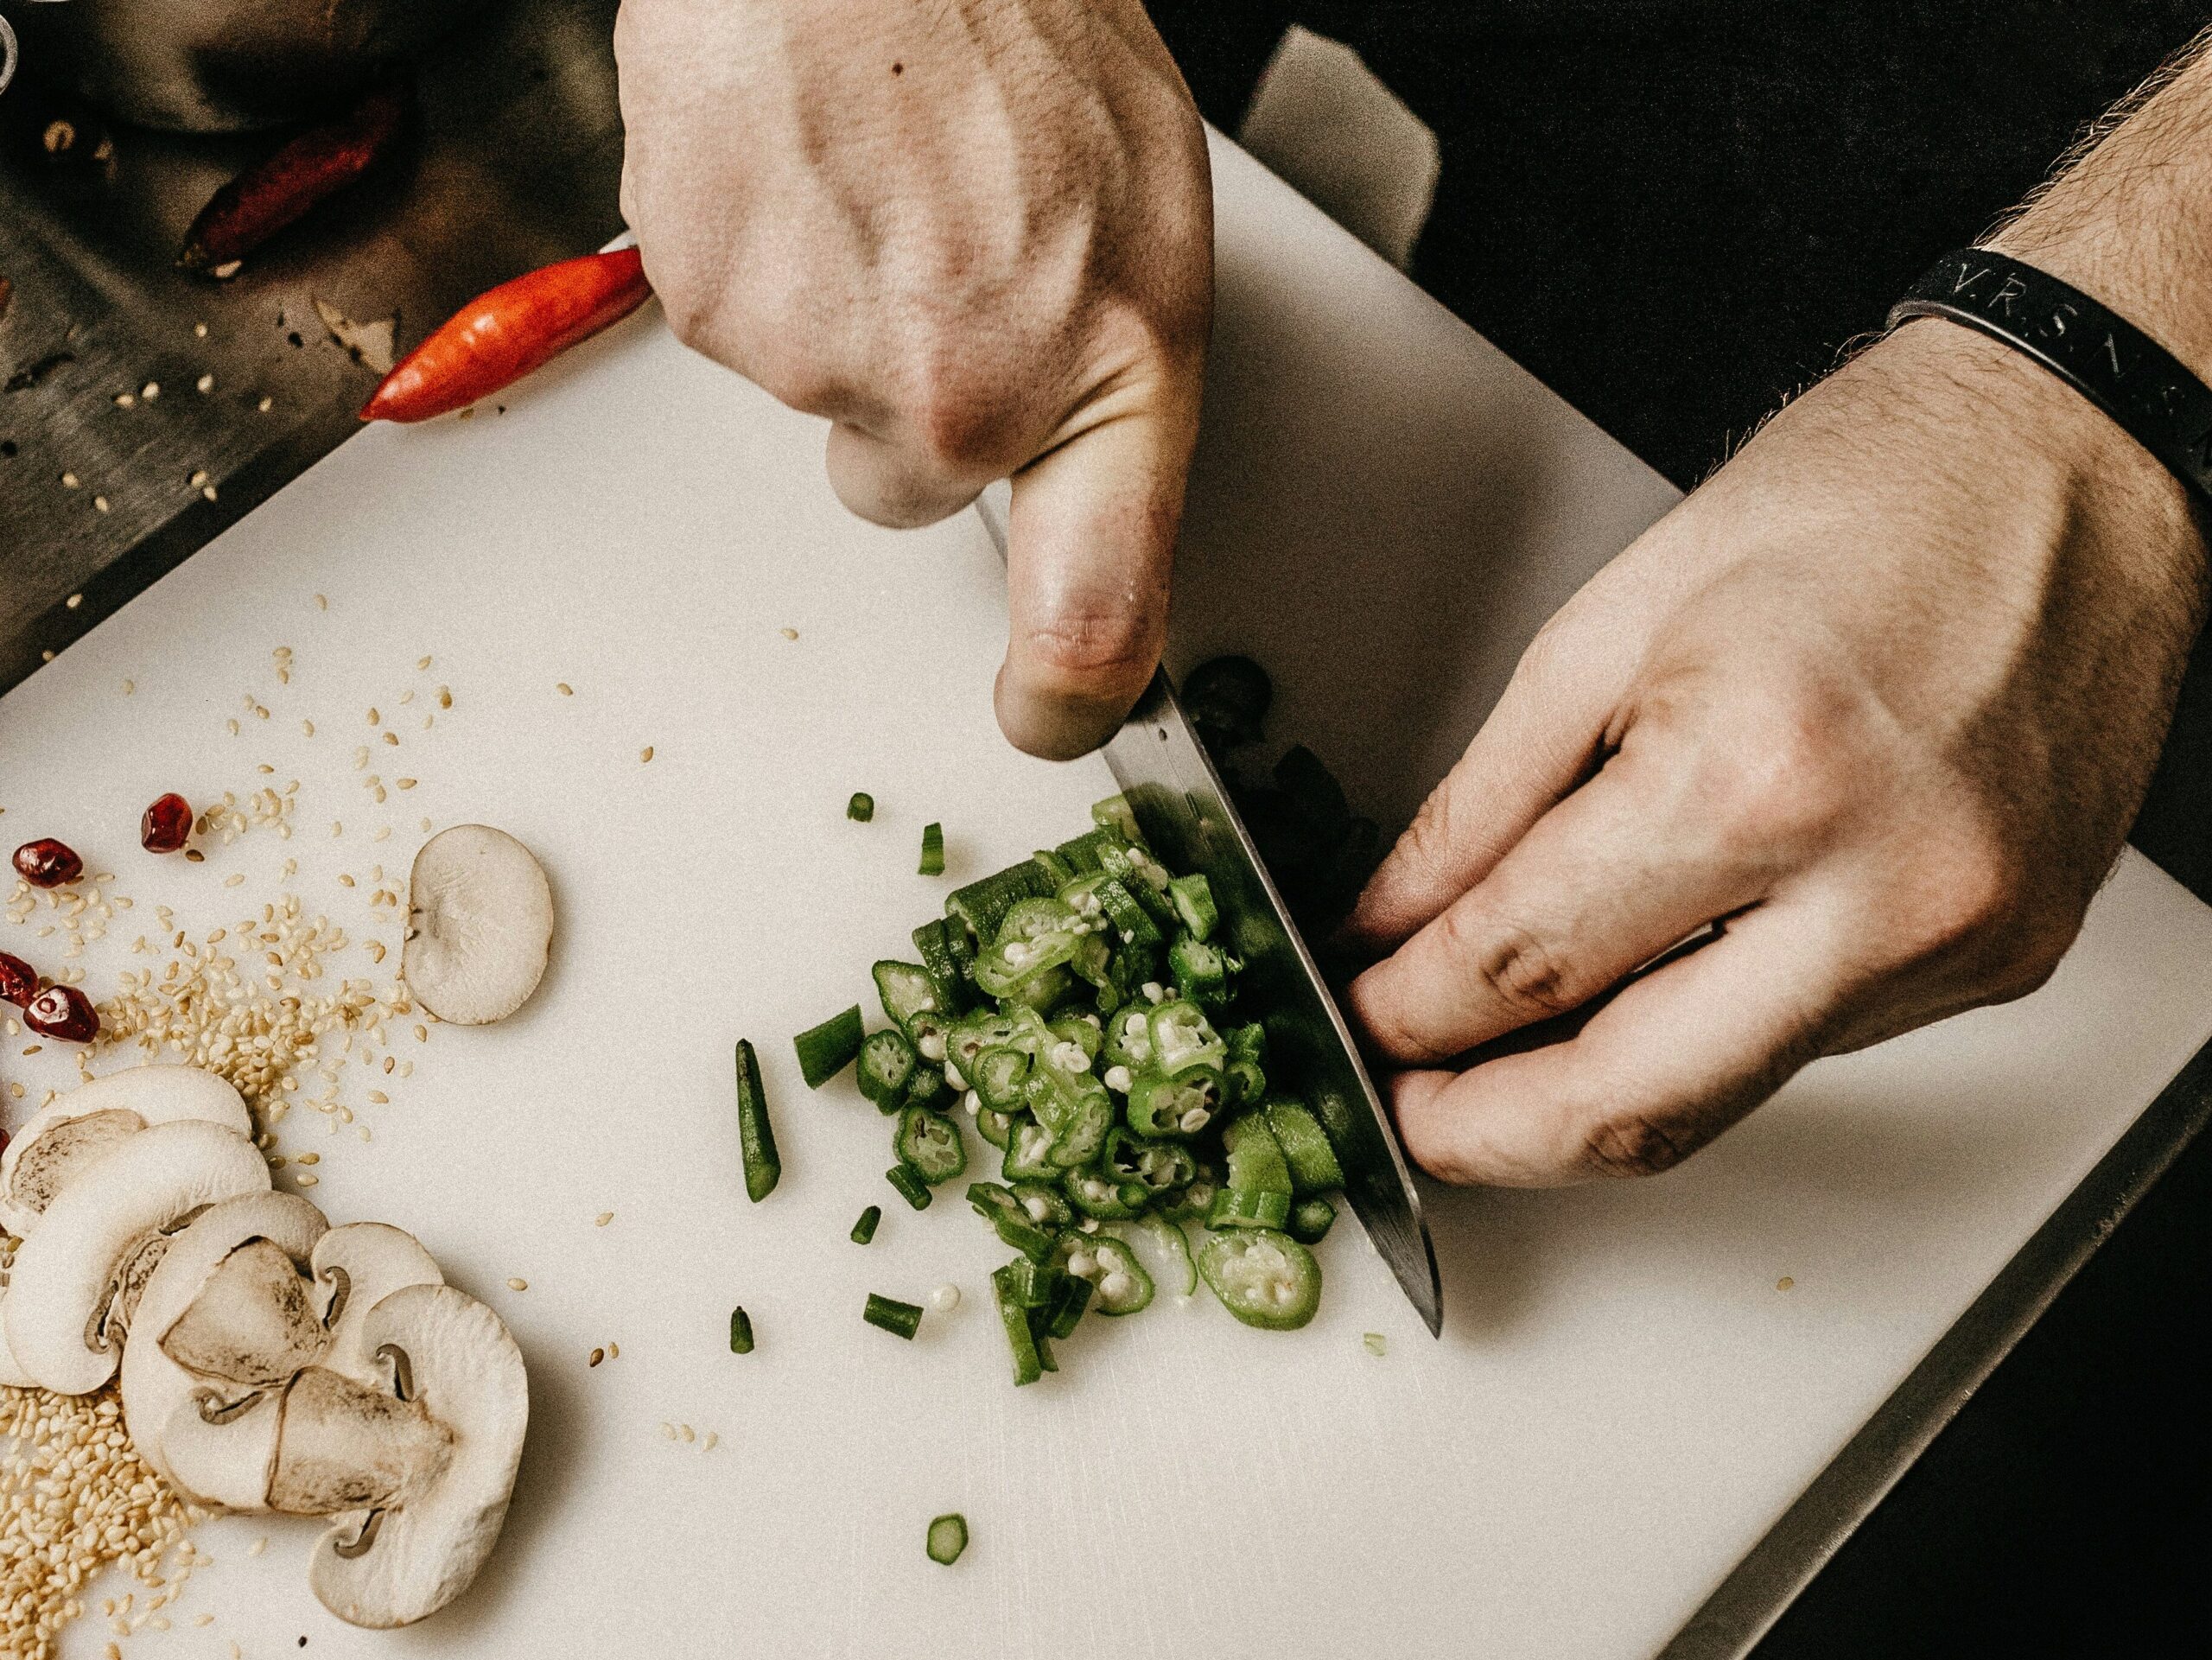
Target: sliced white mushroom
x,y
393,1560
71,1289
214,1438
74,1131
480,921
357,1266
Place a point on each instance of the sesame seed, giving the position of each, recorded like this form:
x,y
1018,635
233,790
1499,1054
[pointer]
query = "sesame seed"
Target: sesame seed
x,y
321,603
264,406
200,331
564,688
373,717
205,384
788,633
518,1285
613,1351
150,391
597,1355
605,1217
99,503
308,1180
422,663
74,601
646,754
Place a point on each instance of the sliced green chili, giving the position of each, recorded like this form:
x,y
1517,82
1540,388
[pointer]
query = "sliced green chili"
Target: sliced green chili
x,y
1192,898
982,904
1027,1366
1204,974
889,1314
860,808
740,1332
1175,1247
947,1537
756,1137
1264,1278
864,1230
1115,813
1313,1166
933,943
1123,1287
994,1127
1011,1220
907,990
1311,1220
826,1050
887,1067
911,1187
933,850
928,1143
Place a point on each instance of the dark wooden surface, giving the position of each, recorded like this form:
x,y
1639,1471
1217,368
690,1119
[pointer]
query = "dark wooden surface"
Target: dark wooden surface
x,y
1676,212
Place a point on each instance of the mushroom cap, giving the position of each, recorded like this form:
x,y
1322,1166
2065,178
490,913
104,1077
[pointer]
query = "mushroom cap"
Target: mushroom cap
x,y
464,1369
64,1273
480,921
74,1131
377,1260
227,1464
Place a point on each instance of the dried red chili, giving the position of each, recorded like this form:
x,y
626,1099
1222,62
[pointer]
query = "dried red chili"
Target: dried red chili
x,y
503,334
63,1012
18,980
167,825
47,863
309,169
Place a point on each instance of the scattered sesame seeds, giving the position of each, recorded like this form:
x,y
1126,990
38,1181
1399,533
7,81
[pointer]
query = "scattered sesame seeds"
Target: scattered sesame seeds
x,y
321,603
126,400
128,687
308,1180
613,1351
373,717
70,481
150,391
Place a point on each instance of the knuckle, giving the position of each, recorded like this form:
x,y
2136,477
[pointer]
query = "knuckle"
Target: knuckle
x,y
1779,788
1513,966
1634,1144
1086,647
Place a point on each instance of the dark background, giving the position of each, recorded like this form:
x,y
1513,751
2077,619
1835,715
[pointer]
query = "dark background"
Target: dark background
x,y
1676,212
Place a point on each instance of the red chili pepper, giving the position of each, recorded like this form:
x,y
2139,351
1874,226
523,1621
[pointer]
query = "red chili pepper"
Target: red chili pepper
x,y
63,1012
501,335
315,165
18,980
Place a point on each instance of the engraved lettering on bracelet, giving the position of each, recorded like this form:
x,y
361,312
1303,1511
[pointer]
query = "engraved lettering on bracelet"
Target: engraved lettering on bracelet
x,y
2111,356
2007,291
1966,279
2061,315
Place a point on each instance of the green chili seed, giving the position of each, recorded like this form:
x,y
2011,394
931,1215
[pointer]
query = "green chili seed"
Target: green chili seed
x,y
864,1230
899,1319
933,850
756,1138
860,808
947,1537
911,1187
740,1332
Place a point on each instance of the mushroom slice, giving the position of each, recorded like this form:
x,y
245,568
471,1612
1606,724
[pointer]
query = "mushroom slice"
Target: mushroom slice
x,y
348,1446
76,1130
464,1371
479,921
358,1266
253,1323
212,1440
67,1276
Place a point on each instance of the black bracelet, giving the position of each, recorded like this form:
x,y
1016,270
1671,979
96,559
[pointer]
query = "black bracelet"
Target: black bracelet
x,y
2094,350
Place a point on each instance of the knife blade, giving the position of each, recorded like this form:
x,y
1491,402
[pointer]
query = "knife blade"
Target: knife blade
x,y
1186,812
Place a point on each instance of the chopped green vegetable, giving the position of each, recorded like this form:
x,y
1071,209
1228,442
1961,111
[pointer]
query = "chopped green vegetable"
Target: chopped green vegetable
x,y
911,1187
1192,898
1027,1234
932,849
1264,1278
740,1332
756,1137
864,1230
1311,1220
1028,1366
899,1319
947,1537
1374,1342
826,1050
860,808
908,991
1175,1249
1313,1166
887,1068
1122,1286
928,1143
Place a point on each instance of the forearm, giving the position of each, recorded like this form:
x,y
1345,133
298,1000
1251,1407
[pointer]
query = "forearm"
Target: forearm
x,y
2128,220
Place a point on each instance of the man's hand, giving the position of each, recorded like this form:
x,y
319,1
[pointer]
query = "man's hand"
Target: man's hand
x,y
977,236
1882,698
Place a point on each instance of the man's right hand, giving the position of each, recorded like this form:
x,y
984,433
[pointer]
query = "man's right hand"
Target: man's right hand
x,y
977,236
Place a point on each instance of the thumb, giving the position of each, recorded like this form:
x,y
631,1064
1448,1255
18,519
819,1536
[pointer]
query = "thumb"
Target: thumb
x,y
1090,543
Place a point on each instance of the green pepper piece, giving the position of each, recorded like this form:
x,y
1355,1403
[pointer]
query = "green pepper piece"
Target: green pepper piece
x,y
1265,1278
1115,814
864,1230
1075,1296
928,1144
932,862
1129,1038
889,1314
826,1050
996,1075
1182,1036
1155,1166
756,1136
994,1127
740,1332
1180,1106
947,1539
1235,1207
860,808
1194,1201
1083,1031
1204,974
1192,898
1029,1158
1035,1282
1311,1220
1313,1165
1011,1220
1027,1367
1098,1194
1122,1286
1045,1204
911,1187
980,905
1256,1164
887,1067
933,944
906,989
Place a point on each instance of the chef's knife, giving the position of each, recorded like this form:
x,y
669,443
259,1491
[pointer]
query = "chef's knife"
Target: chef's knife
x,y
1186,813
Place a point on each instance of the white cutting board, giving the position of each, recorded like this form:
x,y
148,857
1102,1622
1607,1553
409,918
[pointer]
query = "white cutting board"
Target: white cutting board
x,y
1384,510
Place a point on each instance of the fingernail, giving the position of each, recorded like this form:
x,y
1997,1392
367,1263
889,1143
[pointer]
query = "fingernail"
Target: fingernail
x,y
1053,727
